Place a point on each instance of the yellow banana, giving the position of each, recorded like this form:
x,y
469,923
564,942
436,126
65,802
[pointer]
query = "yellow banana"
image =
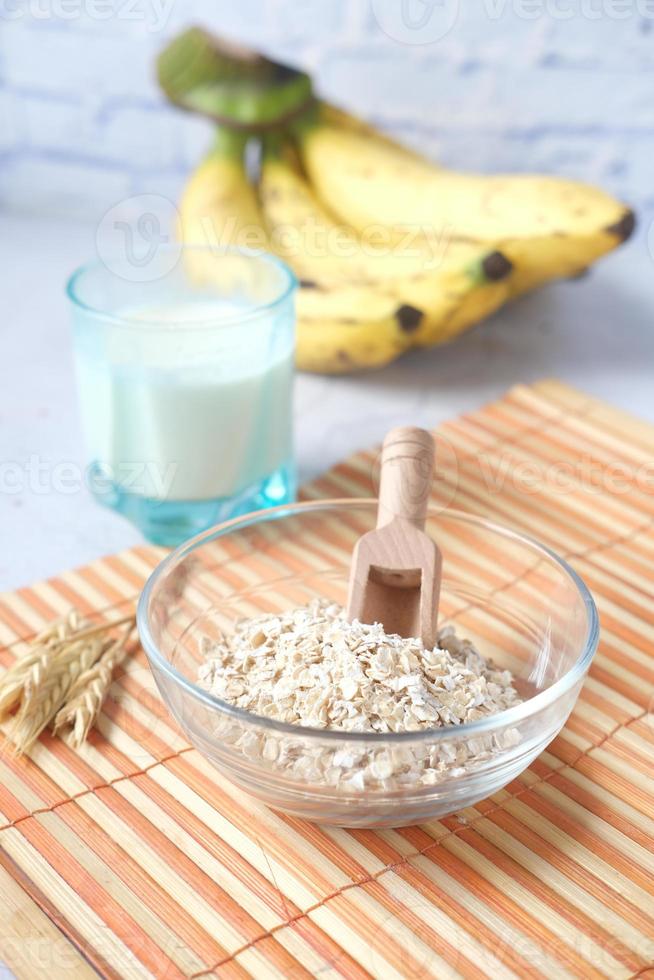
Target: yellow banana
x,y
326,346
219,206
547,227
316,246
354,312
343,328
429,292
338,117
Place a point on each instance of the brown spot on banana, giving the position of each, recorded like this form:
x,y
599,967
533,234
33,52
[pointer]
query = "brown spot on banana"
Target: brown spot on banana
x,y
496,266
408,317
624,228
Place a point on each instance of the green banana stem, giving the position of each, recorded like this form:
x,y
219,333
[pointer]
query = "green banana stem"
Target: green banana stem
x,y
305,121
278,145
229,143
272,145
234,86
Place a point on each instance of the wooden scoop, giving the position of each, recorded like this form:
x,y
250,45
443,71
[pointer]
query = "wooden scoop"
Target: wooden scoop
x,y
396,569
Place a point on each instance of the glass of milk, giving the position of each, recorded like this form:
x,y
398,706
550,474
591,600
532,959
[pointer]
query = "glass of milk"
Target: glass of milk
x,y
185,377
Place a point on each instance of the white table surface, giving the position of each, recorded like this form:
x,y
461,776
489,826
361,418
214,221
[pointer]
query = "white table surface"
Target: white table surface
x,y
596,333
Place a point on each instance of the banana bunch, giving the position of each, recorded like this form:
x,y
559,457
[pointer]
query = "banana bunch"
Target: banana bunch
x,y
364,297
547,227
391,251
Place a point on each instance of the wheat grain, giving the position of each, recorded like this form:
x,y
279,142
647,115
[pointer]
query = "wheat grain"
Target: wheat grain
x,y
42,649
46,689
57,666
86,697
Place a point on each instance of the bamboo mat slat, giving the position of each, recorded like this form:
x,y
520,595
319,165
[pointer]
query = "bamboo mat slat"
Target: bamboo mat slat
x,y
135,856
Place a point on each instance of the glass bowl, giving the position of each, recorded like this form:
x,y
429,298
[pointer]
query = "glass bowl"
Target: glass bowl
x,y
521,605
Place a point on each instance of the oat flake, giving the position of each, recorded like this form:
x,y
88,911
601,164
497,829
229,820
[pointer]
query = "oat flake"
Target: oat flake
x,y
311,667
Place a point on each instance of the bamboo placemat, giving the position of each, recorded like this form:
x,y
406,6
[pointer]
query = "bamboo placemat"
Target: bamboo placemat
x,y
152,865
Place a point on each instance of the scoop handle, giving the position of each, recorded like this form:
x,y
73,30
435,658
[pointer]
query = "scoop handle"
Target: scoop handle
x,y
407,465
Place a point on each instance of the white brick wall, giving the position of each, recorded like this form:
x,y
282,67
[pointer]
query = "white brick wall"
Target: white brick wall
x,y
557,85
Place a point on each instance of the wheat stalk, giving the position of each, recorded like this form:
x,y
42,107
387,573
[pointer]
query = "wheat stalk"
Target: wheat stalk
x,y
40,652
55,669
86,697
46,688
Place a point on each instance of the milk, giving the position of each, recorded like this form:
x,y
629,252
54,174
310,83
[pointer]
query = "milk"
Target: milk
x,y
175,407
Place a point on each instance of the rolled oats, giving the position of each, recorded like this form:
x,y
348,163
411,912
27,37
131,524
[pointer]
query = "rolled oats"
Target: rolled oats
x,y
310,667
